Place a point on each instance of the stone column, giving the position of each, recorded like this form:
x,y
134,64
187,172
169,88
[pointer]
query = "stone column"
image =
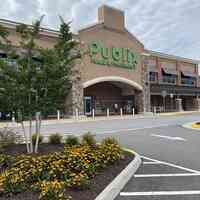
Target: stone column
x,y
179,106
144,96
139,102
147,98
77,98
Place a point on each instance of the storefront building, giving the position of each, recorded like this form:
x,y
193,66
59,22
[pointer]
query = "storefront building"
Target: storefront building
x,y
119,74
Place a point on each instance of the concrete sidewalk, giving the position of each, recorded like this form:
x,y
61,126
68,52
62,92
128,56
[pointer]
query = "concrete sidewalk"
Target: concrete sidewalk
x,y
79,120
90,119
178,113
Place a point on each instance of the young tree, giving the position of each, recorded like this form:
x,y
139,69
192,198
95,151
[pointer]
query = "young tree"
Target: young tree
x,y
41,78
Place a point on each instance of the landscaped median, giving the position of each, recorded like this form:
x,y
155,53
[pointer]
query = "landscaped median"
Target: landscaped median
x,y
76,170
196,125
192,125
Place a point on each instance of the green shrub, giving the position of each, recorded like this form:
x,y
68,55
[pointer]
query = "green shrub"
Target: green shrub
x,y
34,137
109,140
6,161
7,138
88,139
72,141
55,138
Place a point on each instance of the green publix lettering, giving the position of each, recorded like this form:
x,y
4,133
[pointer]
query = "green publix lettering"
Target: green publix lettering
x,y
120,57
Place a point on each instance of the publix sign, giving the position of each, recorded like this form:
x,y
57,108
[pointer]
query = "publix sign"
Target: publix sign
x,y
120,57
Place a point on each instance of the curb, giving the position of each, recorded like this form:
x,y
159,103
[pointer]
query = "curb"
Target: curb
x,y
189,126
113,189
178,113
70,121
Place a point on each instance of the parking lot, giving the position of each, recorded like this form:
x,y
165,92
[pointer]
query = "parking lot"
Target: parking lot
x,y
162,180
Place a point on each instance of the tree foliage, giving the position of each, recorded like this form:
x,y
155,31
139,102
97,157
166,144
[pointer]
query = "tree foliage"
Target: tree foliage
x,y
39,79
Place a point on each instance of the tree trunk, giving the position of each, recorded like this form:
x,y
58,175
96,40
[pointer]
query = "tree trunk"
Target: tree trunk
x,y
25,136
38,124
30,134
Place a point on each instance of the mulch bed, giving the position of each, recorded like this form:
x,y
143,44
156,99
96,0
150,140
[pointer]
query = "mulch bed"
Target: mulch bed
x,y
97,184
45,148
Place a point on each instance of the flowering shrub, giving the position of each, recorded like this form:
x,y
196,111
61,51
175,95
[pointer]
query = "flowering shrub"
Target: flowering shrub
x,y
51,174
52,190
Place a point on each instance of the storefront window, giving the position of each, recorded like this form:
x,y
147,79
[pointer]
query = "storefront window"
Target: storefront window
x,y
171,79
153,76
168,78
188,81
114,106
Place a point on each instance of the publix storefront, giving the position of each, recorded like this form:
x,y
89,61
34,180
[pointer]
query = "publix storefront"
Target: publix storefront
x,y
113,92
118,74
112,71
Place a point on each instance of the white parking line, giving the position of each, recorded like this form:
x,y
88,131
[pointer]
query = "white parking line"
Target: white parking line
x,y
160,193
164,193
165,175
169,137
135,129
151,163
172,165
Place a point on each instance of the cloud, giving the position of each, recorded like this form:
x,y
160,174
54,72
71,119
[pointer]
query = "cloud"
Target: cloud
x,y
170,26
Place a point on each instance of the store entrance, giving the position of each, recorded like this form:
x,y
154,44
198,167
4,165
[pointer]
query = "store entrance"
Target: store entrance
x,y
88,105
112,96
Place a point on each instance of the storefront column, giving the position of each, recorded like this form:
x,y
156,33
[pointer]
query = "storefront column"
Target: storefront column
x,y
74,100
159,70
197,104
147,99
139,102
77,99
179,106
145,94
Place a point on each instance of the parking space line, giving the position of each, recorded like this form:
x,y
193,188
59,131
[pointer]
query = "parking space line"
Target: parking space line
x,y
165,175
172,165
160,193
151,163
169,137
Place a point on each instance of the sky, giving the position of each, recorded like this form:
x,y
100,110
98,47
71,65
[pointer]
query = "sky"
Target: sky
x,y
168,26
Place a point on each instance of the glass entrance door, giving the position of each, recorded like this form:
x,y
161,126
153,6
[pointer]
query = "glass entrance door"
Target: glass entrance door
x,y
88,105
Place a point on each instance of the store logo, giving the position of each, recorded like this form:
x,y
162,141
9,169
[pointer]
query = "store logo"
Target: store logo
x,y
120,57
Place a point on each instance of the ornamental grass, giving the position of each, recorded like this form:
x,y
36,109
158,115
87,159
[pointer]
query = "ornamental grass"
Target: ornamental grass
x,y
51,174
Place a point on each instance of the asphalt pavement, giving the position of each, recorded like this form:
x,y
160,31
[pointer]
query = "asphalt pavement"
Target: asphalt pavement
x,y
161,140
171,170
160,180
116,125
